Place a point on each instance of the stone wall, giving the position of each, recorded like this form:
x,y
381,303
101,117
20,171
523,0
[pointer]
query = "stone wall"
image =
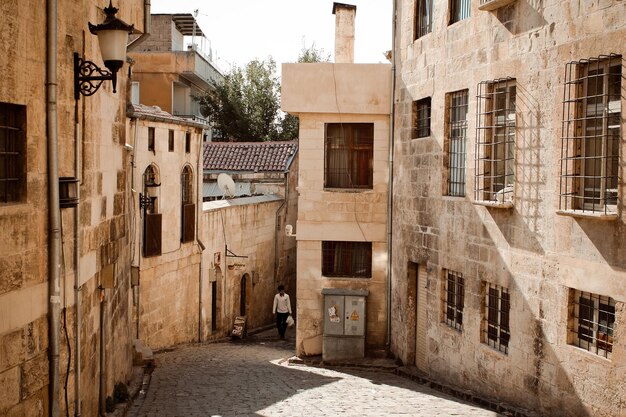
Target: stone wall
x,y
536,253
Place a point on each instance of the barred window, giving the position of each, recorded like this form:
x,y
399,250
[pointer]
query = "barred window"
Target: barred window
x,y
455,143
495,141
12,152
591,322
349,155
187,206
150,182
170,145
459,10
421,118
455,299
496,331
591,135
423,18
347,259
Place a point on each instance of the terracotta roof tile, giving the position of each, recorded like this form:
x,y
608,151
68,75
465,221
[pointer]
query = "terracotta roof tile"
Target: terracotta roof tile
x,y
249,156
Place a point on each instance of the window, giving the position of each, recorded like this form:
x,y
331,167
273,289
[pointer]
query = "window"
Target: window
x,y
349,155
187,142
347,259
591,135
188,208
421,118
591,322
152,218
134,92
170,144
12,152
151,139
455,299
455,143
459,10
423,18
495,141
496,331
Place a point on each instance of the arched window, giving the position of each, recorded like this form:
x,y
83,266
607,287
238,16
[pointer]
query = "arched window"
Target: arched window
x,y
150,190
187,205
152,219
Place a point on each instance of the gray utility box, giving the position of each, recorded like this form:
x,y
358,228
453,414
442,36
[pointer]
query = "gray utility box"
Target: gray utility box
x,y
344,324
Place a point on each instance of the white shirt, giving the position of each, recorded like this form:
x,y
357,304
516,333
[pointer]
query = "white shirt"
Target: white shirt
x,y
281,304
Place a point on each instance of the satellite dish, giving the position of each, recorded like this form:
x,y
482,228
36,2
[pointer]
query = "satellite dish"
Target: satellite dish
x,y
226,185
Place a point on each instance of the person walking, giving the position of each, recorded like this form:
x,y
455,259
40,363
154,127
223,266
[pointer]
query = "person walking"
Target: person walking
x,y
281,310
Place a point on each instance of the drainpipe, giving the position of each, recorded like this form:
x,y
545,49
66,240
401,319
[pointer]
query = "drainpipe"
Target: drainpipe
x,y
147,26
390,186
277,231
199,178
102,392
77,244
54,211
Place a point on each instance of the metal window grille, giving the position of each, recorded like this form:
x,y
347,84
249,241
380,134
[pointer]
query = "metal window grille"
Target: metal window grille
x,y
12,149
347,259
591,134
496,331
151,139
187,142
423,18
149,181
349,155
455,299
456,141
495,140
592,321
459,10
421,118
186,186
170,145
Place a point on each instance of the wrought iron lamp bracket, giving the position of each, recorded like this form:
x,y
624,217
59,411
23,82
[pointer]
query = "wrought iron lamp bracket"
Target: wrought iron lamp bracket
x,y
88,77
145,201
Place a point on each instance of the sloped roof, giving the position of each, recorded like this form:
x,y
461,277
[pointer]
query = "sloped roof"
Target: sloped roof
x,y
249,156
154,113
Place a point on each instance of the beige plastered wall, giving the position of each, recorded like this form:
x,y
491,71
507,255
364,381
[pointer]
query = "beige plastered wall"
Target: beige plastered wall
x,y
530,249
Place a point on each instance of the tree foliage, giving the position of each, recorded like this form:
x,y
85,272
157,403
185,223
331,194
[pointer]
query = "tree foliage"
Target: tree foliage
x,y
312,54
245,106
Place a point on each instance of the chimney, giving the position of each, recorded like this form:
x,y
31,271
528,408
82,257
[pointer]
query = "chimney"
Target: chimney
x,y
344,32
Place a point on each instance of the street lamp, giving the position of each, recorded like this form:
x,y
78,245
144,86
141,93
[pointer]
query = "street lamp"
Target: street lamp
x,y
113,37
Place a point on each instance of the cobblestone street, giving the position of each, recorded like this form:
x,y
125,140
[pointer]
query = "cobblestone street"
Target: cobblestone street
x,y
254,378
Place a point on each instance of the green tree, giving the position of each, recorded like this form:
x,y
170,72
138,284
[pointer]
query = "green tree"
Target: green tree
x,y
245,106
312,54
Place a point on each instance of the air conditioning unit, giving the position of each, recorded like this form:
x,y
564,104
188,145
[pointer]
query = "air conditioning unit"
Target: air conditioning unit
x,y
493,4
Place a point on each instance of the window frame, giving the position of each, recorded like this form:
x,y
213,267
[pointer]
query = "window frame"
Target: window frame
x,y
423,20
354,144
454,299
459,10
342,259
585,324
171,141
151,139
187,142
495,141
496,331
13,153
455,143
583,188
421,117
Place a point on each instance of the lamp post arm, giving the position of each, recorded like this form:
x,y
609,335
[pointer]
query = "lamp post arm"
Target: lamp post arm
x,y
88,77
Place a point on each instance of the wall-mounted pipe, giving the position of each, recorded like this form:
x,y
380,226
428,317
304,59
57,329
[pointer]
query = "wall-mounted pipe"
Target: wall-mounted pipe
x,y
54,211
147,25
77,244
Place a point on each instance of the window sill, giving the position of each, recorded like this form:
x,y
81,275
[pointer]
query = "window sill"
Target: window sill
x,y
587,354
588,215
347,190
494,204
490,5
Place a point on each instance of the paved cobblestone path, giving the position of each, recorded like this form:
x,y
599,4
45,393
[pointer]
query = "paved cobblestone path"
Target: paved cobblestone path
x,y
254,378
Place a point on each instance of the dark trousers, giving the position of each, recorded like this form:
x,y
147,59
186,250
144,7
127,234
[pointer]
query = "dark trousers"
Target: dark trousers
x,y
281,323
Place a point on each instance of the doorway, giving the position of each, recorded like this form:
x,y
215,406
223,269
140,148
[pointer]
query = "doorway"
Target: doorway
x,y
242,295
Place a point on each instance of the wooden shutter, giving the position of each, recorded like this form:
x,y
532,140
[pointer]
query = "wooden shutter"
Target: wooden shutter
x,y
189,222
152,235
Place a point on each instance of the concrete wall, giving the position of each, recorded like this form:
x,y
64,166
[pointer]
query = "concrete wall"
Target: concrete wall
x,y
166,301
530,249
24,368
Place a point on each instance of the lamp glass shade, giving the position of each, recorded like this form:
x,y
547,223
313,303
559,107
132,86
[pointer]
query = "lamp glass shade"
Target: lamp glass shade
x,y
113,44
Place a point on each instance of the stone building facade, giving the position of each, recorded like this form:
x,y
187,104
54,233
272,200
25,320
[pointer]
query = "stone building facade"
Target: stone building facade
x,y
508,200
97,125
341,230
166,255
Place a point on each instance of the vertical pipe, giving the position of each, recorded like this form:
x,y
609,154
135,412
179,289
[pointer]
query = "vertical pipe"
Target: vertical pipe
x,y
199,195
54,213
102,392
77,244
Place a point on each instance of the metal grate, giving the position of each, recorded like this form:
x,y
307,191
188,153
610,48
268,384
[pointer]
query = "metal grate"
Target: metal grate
x,y
12,149
495,140
496,331
459,10
421,118
349,155
455,299
423,18
591,135
456,142
592,320
347,259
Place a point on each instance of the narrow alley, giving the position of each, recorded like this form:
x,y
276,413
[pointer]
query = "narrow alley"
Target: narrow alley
x,y
254,378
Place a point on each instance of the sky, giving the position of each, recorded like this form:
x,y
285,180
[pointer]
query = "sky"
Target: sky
x,y
242,30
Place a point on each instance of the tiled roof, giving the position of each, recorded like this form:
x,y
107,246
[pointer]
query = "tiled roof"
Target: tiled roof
x,y
249,156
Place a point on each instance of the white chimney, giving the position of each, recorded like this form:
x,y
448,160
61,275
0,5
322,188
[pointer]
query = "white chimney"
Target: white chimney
x,y
344,32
